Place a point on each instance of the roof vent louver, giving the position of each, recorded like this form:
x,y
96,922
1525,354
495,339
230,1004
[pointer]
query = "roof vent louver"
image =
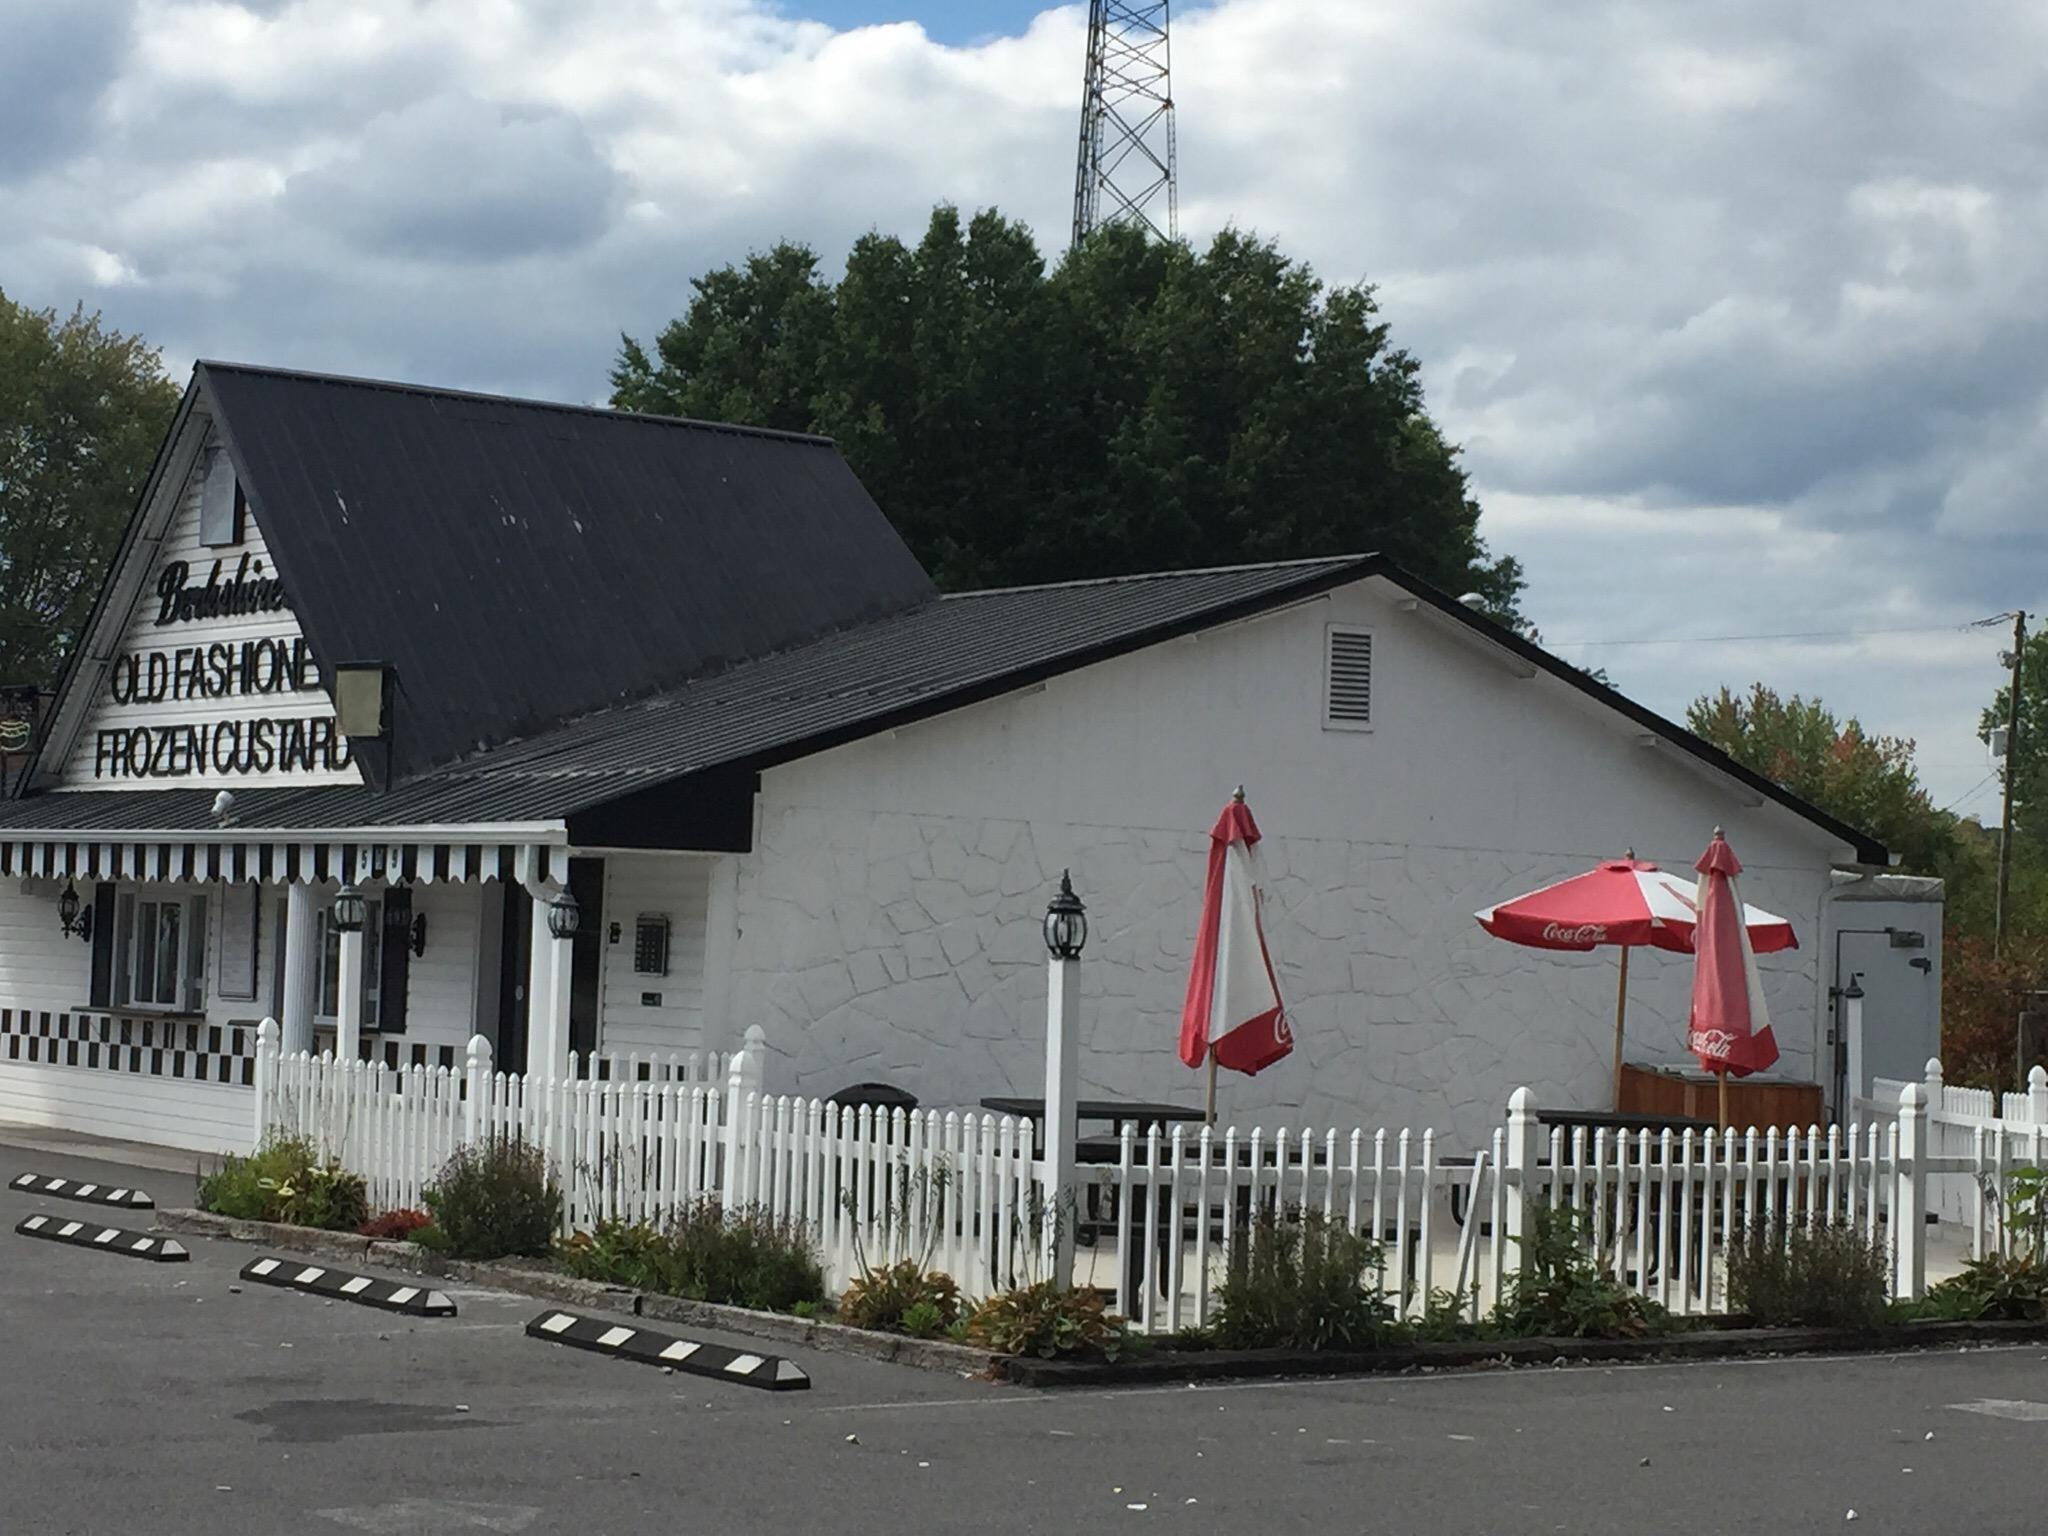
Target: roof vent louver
x,y
1347,680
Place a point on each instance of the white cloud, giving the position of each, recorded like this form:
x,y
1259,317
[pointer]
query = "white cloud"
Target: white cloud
x,y
1737,308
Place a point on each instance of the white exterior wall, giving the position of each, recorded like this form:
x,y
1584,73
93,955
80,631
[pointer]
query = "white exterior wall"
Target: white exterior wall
x,y
39,967
43,972
442,1002
678,888
887,924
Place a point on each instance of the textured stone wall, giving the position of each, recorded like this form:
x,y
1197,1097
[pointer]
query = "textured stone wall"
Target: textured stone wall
x,y
906,949
886,925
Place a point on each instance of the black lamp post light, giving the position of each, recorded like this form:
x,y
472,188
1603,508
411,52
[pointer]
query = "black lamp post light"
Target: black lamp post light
x,y
564,916
1066,922
74,922
350,911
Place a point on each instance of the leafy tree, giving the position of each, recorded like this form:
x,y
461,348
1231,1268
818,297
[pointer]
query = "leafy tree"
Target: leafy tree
x,y
2029,765
1868,781
1139,407
82,409
1981,998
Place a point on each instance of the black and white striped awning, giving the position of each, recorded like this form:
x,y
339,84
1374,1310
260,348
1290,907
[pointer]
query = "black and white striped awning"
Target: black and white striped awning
x,y
400,863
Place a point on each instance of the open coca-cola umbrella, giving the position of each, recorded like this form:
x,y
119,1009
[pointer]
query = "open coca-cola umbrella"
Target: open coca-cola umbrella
x,y
1233,1016
1626,902
1730,1028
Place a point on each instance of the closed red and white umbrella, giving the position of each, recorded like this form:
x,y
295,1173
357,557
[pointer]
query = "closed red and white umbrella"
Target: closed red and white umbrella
x,y
1730,1027
1233,1016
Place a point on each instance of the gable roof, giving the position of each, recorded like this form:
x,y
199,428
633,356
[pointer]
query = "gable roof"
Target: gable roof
x,y
517,563
943,654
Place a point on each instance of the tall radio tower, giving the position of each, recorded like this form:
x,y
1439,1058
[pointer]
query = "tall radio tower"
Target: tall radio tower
x,y
1127,171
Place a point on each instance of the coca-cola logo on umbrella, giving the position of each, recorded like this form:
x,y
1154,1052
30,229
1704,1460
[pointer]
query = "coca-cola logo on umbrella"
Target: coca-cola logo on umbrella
x,y
1582,933
1717,1043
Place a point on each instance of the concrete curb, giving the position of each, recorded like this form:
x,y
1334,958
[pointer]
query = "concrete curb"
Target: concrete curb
x,y
1716,1344
549,1285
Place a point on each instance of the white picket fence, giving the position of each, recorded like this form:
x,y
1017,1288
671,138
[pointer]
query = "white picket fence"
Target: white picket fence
x,y
1659,1208
965,1192
1177,1203
1976,1138
398,1126
955,1190
872,1186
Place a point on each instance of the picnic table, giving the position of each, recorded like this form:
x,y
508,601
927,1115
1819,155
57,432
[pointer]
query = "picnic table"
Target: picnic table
x,y
1118,1113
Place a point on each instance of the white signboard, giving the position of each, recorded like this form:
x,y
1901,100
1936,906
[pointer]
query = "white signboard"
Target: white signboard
x,y
213,685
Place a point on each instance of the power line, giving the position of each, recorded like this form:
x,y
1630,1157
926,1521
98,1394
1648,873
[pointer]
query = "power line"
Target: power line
x,y
1809,634
1972,790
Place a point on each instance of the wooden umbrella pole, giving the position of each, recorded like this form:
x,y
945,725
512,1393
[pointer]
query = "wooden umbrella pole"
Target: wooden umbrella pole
x,y
1724,1098
1212,1085
1620,1020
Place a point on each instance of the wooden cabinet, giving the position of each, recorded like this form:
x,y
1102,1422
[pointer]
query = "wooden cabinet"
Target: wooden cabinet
x,y
1756,1101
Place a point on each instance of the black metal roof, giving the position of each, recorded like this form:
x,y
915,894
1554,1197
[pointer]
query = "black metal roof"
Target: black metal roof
x,y
583,606
519,563
943,654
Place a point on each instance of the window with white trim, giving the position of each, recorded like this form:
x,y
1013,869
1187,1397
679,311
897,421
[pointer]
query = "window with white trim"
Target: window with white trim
x,y
1347,678
160,951
328,1006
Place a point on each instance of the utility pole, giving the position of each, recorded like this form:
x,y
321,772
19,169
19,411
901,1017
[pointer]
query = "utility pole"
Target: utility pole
x,y
2012,753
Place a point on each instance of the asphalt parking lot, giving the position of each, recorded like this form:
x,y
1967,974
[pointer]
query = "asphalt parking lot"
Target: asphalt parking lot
x,y
138,1397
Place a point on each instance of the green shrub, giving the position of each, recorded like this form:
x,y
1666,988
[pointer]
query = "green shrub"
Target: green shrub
x,y
286,1180
1821,1277
1560,1290
617,1253
493,1201
2025,1203
1299,1282
925,1320
749,1260
1447,1316
884,1298
2011,1286
1046,1321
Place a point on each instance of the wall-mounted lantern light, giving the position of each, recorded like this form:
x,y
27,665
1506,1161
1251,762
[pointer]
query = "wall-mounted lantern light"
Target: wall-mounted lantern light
x,y
564,915
1066,922
75,923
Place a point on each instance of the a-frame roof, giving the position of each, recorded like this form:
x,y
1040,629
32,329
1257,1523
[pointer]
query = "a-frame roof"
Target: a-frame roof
x,y
594,614
519,563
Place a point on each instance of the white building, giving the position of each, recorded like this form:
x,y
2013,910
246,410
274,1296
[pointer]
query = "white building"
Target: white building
x,y
689,675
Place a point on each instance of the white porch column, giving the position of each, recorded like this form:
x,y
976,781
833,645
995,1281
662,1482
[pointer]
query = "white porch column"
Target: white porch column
x,y
1066,931
301,968
348,1034
1062,1091
549,976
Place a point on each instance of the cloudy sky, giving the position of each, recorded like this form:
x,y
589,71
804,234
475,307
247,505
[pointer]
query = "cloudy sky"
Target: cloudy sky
x,y
1736,306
